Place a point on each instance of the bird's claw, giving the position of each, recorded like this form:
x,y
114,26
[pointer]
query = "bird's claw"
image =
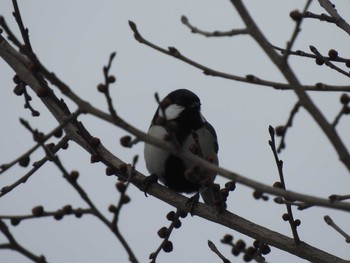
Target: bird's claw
x,y
151,179
191,202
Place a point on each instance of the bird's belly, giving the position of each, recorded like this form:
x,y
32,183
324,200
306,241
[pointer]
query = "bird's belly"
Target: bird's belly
x,y
155,157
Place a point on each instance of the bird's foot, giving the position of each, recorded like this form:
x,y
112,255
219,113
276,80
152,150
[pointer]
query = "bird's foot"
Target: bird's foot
x,y
151,179
191,202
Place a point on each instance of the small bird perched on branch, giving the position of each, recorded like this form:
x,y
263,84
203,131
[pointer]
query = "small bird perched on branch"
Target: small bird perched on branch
x,y
178,120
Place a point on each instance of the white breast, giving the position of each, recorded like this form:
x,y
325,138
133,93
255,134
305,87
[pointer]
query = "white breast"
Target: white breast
x,y
155,157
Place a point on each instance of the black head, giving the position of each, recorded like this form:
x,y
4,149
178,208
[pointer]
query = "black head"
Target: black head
x,y
182,107
184,98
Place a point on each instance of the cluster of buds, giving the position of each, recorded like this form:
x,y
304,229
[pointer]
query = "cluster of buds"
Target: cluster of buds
x,y
280,200
164,232
20,89
252,252
39,211
121,187
260,195
345,99
224,193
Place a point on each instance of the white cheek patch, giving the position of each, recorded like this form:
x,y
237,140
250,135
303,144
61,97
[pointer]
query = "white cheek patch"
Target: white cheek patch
x,y
171,112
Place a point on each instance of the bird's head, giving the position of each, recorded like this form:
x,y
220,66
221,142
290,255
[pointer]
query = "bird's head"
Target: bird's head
x,y
179,102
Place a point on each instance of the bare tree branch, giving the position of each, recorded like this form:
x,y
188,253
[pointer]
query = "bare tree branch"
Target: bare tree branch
x,y
282,130
330,8
14,245
279,164
37,165
173,52
331,223
296,31
327,62
233,32
213,248
75,131
58,130
304,99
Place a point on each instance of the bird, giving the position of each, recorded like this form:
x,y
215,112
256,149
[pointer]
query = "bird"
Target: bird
x,y
178,121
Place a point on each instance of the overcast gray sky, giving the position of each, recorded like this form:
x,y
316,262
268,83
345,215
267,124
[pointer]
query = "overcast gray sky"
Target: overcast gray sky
x,y
75,38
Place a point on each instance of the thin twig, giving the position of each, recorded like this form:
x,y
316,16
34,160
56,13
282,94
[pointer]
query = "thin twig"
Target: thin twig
x,y
33,65
122,197
43,70
50,76
114,223
6,166
27,104
331,223
6,189
212,72
288,125
14,245
108,80
326,61
296,32
166,244
95,210
344,110
213,248
254,252
230,33
24,31
338,197
321,17
299,205
279,164
50,155
59,212
10,35
301,53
